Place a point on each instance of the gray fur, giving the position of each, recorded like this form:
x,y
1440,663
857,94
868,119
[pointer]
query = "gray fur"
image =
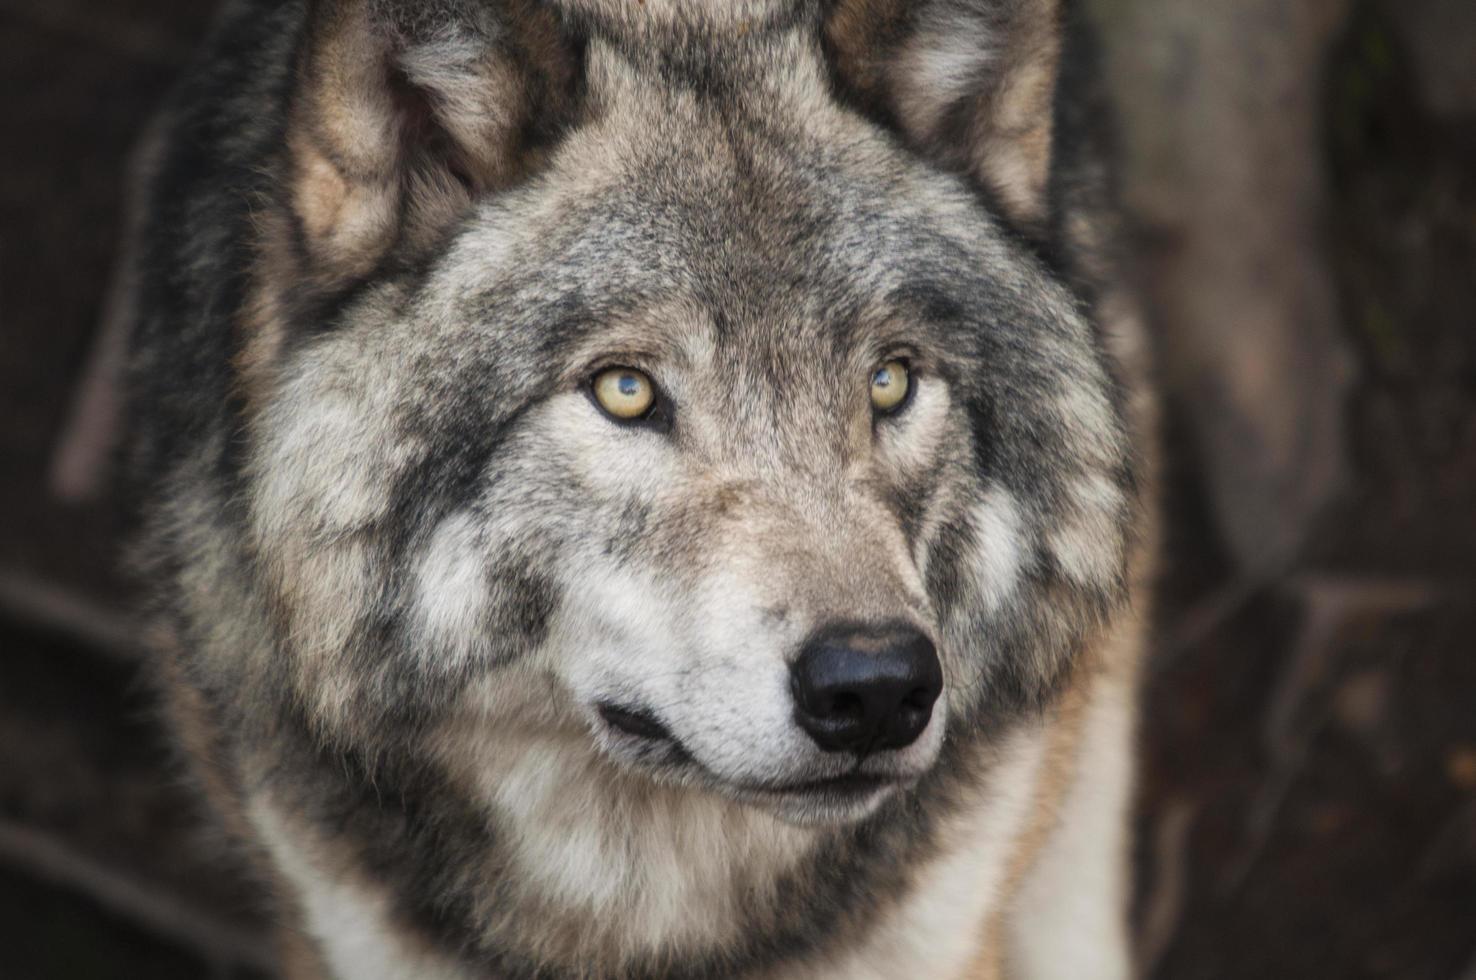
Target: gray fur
x,y
407,559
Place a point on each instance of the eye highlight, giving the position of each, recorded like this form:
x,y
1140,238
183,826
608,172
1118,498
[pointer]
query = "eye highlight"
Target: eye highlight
x,y
890,384
624,393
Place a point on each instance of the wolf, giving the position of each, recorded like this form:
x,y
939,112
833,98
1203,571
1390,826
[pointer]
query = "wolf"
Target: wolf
x,y
649,488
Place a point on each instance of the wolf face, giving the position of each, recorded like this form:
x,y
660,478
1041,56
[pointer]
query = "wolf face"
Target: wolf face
x,y
660,409
441,495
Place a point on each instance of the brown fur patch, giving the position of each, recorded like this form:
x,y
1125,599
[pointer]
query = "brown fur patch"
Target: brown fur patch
x,y
393,134
862,34
970,84
1012,131
1054,778
297,956
261,325
189,718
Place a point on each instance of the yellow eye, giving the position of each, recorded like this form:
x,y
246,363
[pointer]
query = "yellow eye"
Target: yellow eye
x,y
889,386
624,392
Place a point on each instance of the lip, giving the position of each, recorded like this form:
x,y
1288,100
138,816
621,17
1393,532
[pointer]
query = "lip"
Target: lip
x,y
823,802
635,722
853,784
644,733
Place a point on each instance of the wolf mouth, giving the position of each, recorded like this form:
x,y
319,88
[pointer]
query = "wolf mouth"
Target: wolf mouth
x,y
637,722
853,785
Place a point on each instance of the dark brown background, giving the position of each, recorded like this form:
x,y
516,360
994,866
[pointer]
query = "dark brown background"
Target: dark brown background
x,y
1301,183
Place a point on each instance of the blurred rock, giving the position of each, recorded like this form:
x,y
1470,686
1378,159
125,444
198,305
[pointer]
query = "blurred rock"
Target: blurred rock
x,y
1220,126
1460,767
1441,35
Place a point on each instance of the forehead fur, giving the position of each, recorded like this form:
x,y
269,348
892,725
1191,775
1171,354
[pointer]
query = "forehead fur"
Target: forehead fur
x,y
657,20
761,203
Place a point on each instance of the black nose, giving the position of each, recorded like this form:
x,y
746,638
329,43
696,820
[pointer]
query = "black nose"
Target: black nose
x,y
864,689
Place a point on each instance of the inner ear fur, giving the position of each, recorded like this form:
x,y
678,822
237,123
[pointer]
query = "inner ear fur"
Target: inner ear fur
x,y
405,112
969,83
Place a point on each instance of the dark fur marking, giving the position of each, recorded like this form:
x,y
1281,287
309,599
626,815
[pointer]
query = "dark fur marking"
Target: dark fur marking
x,y
982,424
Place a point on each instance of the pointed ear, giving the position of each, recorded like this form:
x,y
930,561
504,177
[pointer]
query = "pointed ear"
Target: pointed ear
x,y
969,83
405,112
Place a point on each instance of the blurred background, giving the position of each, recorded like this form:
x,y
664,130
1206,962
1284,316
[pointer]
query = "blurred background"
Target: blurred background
x,y
1300,182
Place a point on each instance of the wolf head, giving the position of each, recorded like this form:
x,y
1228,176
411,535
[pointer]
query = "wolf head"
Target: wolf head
x,y
680,382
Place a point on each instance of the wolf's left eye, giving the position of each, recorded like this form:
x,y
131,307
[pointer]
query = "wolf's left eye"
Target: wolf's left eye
x,y
889,386
625,393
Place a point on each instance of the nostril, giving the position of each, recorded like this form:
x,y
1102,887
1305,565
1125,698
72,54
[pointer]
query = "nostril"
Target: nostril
x,y
845,706
922,698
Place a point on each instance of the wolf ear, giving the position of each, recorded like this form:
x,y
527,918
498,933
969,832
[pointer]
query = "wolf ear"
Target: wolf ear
x,y
405,112
969,83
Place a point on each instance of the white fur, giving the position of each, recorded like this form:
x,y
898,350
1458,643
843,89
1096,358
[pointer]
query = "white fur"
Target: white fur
x,y
911,442
1089,545
942,65
660,860
451,592
350,921
1068,921
708,667
937,932
630,461
324,470
1000,547
1087,419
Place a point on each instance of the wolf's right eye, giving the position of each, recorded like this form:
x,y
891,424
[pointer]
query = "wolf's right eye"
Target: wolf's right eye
x,y
624,393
